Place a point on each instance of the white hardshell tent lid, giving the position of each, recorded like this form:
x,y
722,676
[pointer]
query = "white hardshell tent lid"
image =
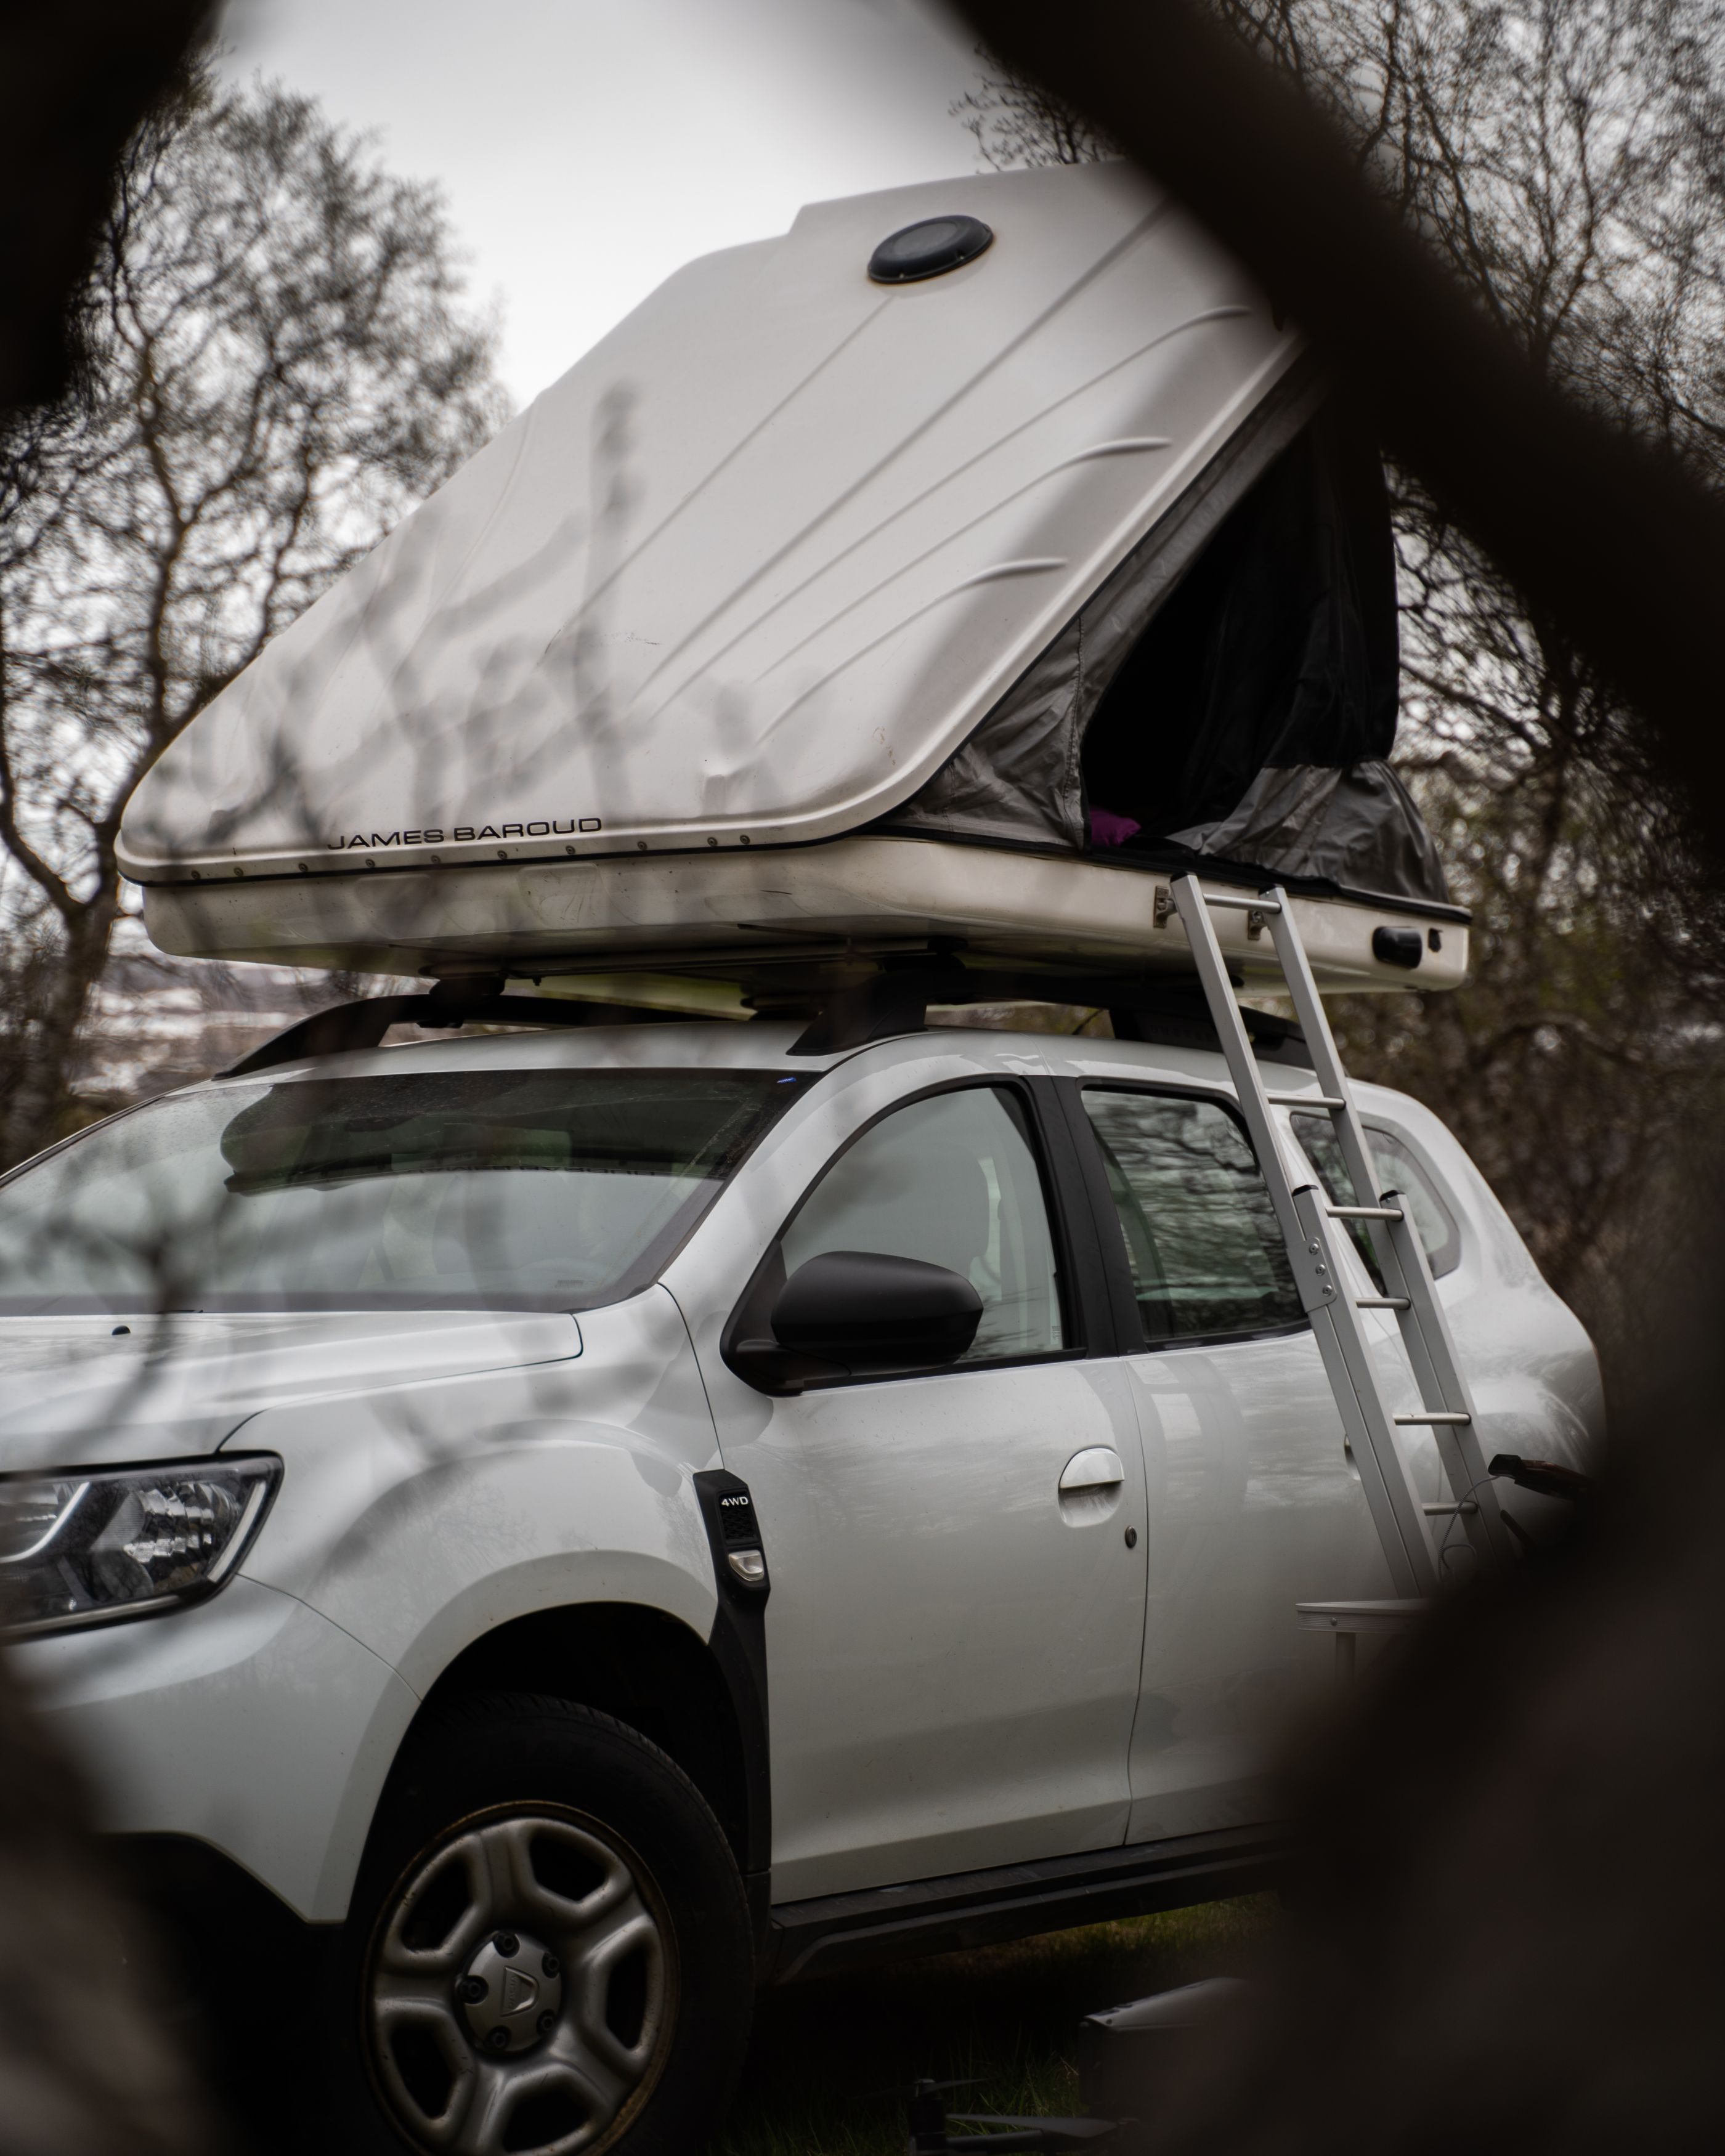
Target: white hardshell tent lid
x,y
754,568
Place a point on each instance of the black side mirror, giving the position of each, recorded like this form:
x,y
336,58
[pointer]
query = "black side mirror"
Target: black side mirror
x,y
859,1314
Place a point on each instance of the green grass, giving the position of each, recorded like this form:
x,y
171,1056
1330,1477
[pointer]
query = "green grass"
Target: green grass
x,y
830,2063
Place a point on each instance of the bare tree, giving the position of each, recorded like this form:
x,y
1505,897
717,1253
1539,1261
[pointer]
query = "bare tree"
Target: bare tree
x,y
276,366
1016,122
1564,159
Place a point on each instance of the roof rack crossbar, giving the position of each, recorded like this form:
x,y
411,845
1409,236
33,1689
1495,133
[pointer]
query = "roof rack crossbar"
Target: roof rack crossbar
x,y
896,1001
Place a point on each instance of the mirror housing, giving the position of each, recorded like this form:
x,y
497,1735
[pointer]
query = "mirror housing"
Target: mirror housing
x,y
861,1314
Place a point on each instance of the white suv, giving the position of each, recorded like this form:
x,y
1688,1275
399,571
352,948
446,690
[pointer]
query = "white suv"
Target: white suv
x,y
529,1409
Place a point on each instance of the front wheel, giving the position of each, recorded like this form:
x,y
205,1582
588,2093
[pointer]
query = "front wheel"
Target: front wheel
x,y
550,1952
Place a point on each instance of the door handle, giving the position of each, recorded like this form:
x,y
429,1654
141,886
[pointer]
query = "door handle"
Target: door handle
x,y
1097,1467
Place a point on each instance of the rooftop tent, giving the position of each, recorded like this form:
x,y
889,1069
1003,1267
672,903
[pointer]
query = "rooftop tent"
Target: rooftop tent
x,y
800,553
1229,693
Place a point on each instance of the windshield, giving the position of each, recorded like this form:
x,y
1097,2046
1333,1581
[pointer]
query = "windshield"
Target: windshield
x,y
432,1190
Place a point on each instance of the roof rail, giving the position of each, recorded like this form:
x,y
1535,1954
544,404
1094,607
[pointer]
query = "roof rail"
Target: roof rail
x,y
474,1001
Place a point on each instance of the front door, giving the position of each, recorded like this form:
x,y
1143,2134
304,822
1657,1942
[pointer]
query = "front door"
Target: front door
x,y
953,1637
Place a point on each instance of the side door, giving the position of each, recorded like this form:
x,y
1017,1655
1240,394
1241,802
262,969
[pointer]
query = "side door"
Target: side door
x,y
954,1636
1253,1504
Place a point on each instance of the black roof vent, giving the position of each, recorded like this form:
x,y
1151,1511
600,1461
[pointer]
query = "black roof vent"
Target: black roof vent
x,y
936,244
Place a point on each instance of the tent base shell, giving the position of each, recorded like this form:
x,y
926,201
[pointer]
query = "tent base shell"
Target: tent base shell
x,y
770,916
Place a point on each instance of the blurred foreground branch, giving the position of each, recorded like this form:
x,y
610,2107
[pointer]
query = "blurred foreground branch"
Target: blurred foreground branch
x,y
1508,1935
83,2071
1561,161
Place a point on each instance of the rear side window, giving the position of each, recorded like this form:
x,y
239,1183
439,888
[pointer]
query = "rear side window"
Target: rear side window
x,y
1206,1255
1397,1169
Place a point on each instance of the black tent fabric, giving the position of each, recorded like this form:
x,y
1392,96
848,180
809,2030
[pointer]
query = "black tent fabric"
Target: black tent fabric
x,y
1230,694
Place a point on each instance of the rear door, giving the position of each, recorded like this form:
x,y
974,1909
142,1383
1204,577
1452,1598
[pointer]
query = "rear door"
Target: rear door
x,y
1252,1503
953,1637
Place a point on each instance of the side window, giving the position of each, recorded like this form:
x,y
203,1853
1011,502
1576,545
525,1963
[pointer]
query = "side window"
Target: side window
x,y
952,1180
1397,1169
1206,1255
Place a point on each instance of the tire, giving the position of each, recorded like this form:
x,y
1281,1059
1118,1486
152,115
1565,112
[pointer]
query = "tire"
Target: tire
x,y
549,1950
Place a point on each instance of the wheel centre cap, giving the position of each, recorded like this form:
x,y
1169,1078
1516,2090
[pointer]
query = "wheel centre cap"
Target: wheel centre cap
x,y
511,1992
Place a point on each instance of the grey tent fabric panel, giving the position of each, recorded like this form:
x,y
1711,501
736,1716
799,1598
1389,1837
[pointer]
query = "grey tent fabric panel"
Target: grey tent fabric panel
x,y
1357,825
1017,777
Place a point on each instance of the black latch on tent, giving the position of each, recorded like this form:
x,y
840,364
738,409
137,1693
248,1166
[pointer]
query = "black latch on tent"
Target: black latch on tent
x,y
1398,947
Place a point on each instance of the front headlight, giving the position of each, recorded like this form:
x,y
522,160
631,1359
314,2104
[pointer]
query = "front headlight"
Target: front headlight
x,y
81,1546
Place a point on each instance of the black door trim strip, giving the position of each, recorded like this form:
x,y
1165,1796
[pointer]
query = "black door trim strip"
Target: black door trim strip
x,y
841,1932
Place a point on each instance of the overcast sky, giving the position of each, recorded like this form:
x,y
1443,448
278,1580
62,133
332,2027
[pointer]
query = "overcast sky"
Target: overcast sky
x,y
588,148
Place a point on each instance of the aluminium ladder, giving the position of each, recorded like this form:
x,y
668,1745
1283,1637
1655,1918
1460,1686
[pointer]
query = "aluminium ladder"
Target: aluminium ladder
x,y
1307,1217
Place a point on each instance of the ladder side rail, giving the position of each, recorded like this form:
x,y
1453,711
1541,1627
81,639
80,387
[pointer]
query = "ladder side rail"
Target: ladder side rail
x,y
1424,1335
1366,1429
1372,1444
1438,1387
1425,1327
1459,1449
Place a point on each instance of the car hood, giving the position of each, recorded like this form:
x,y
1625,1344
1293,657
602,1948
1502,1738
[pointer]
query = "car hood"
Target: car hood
x,y
75,1389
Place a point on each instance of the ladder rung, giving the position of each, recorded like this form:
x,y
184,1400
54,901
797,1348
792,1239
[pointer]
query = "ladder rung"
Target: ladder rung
x,y
1242,905
1444,1417
1465,1510
1303,1101
1364,1212
1383,1303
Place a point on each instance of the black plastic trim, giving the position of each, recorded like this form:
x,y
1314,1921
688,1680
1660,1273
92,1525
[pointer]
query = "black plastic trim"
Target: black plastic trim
x,y
1125,1325
1012,1901
1093,1318
738,1642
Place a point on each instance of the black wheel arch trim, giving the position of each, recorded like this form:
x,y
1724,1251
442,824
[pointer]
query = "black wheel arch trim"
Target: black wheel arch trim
x,y
738,1646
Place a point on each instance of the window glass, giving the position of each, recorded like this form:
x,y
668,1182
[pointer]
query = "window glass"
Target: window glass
x,y
509,1189
1206,1255
1397,1169
952,1180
